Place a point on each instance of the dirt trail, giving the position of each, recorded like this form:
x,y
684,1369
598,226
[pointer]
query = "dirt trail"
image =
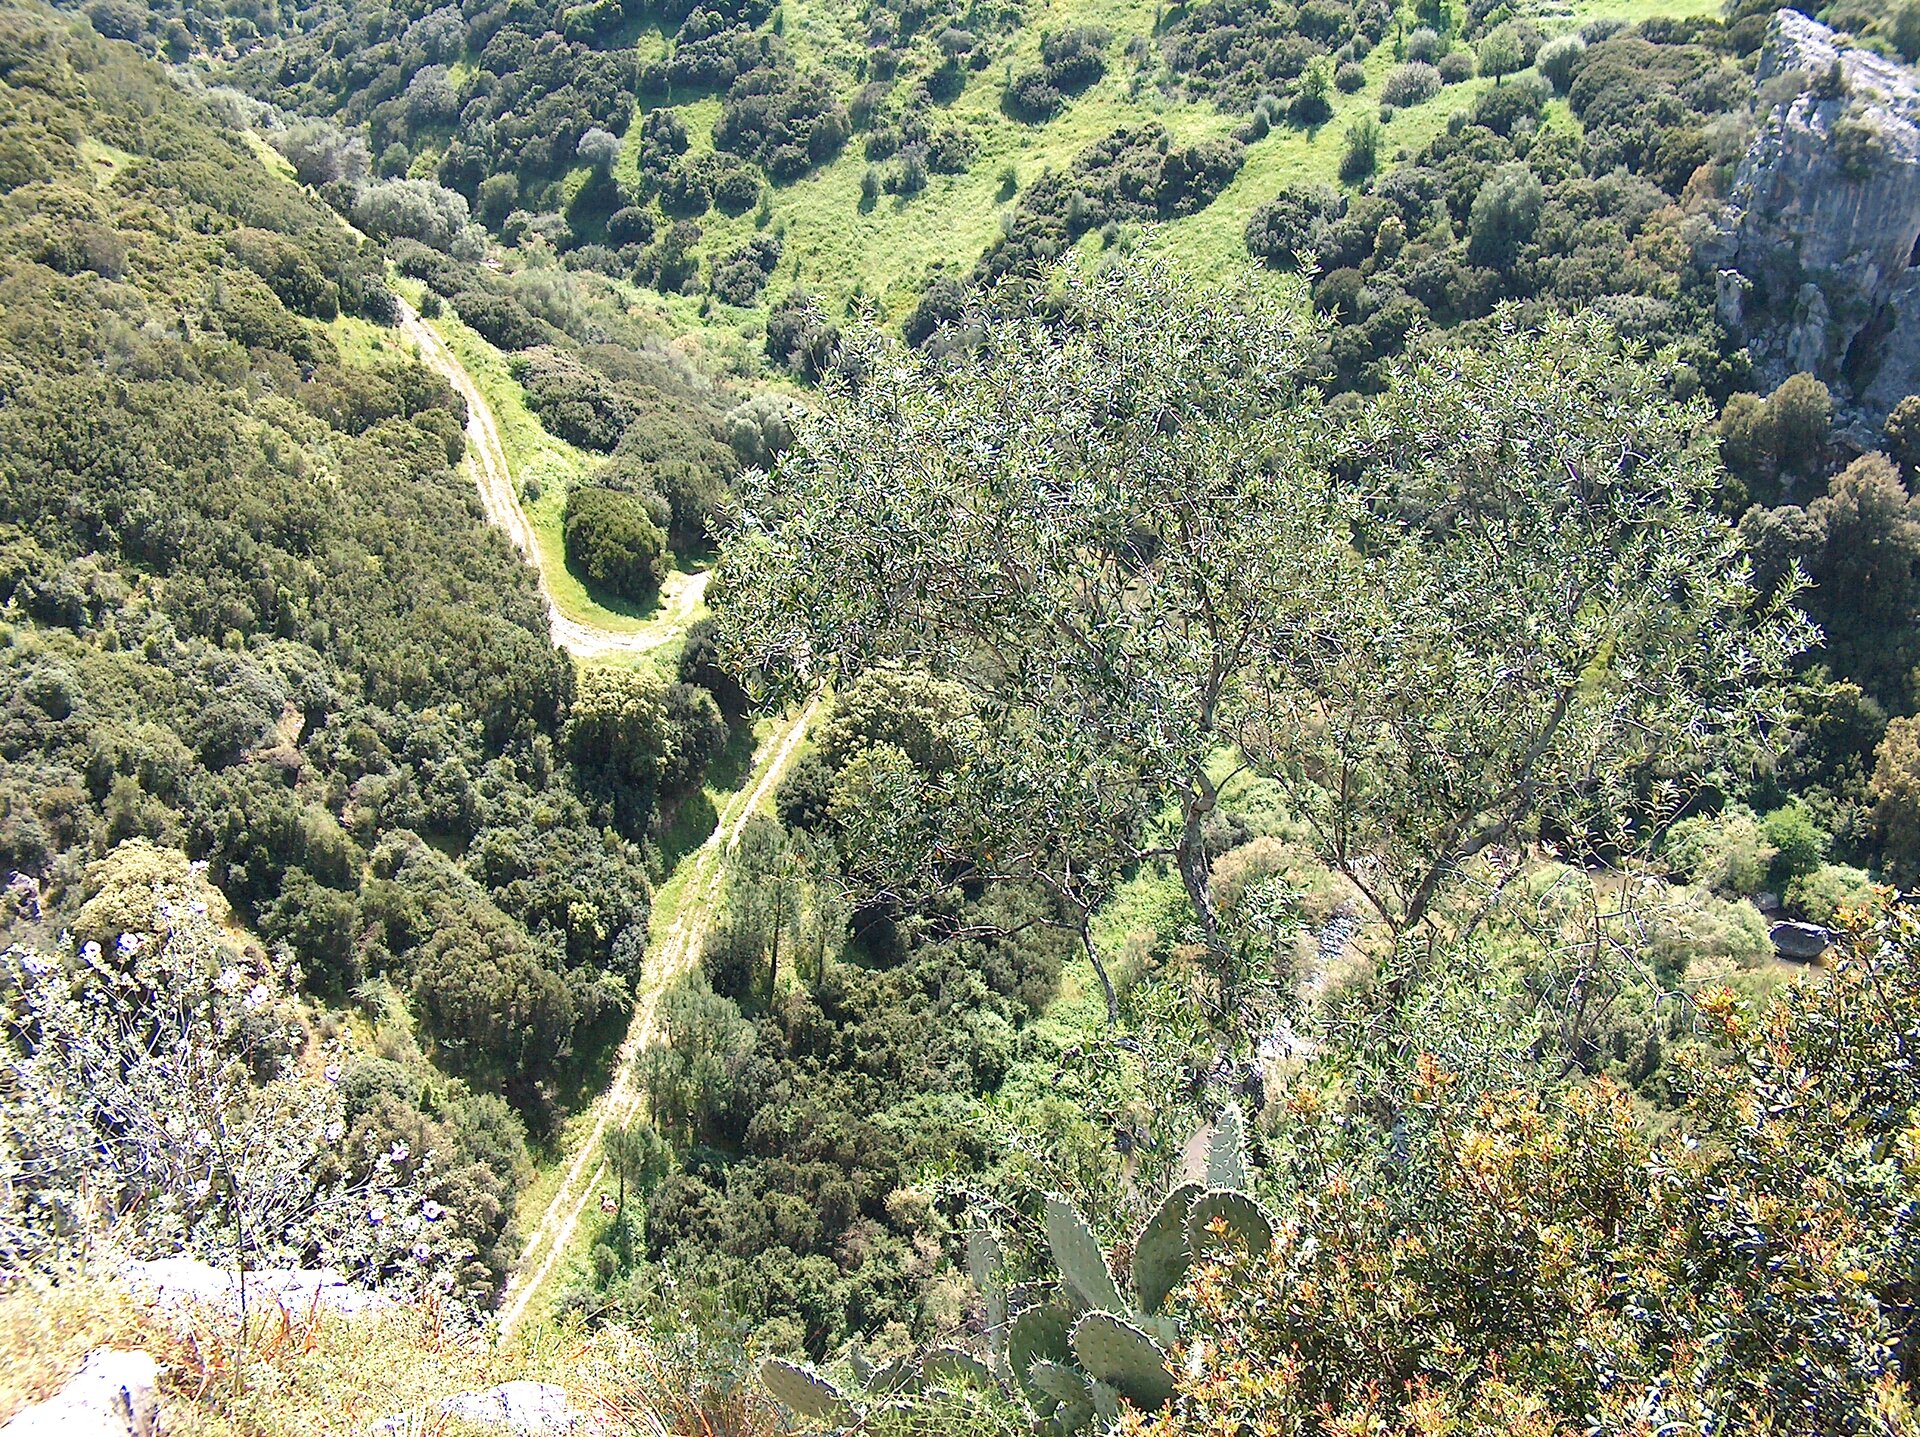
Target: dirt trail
x,y
500,497
673,952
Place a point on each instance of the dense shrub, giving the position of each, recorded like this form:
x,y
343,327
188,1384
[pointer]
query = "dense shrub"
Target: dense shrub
x,y
1409,84
739,278
612,544
784,120
573,401
1435,1243
1233,52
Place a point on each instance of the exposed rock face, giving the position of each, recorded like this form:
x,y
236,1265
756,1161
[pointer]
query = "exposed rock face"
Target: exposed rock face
x,y
1802,942
296,1290
1816,255
530,1409
112,1395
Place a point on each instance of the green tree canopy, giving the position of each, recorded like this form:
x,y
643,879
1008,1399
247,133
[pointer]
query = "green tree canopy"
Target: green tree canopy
x,y
1092,522
1126,527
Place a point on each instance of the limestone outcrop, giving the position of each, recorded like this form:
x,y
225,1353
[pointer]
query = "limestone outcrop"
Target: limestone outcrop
x,y
298,1291
1816,261
114,1394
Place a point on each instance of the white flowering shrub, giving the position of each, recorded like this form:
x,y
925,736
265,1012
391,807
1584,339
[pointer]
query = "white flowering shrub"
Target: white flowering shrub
x,y
158,1094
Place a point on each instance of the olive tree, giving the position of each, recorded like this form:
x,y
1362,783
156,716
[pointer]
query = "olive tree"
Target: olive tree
x,y
1093,521
1541,625
1127,527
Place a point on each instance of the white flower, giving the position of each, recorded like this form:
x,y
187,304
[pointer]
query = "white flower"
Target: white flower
x,y
198,908
256,995
332,1074
336,1130
376,1215
90,951
129,944
202,1189
421,1252
398,1152
199,866
229,979
432,1211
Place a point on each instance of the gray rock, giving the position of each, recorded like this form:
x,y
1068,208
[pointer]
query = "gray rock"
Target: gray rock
x,y
1814,255
531,1409
114,1394
1801,941
296,1291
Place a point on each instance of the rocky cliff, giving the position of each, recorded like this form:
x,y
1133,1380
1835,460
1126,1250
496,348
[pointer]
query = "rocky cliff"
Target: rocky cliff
x,y
1816,254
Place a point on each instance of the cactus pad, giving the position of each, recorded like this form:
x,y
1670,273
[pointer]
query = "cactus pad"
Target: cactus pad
x,y
986,1265
1247,1223
1119,1354
900,1375
1227,1152
805,1391
1160,1252
1083,1267
1040,1334
951,1368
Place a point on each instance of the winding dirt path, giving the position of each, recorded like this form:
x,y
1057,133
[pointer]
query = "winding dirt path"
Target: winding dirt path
x,y
672,953
500,497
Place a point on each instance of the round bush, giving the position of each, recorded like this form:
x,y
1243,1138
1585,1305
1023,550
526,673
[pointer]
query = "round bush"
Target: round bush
x,y
1424,45
612,544
1455,66
1557,59
1410,84
1350,77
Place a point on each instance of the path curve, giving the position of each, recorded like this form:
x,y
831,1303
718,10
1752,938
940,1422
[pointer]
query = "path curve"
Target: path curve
x,y
674,952
500,498
670,953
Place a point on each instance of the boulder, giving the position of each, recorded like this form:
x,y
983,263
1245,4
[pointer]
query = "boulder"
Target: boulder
x,y
1815,253
296,1291
1802,942
114,1394
527,1409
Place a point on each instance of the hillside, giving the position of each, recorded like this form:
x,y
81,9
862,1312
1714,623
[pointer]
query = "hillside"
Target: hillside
x,y
945,718
256,614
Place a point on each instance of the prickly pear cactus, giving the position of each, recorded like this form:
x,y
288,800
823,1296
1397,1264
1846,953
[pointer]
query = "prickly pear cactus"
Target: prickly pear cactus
x,y
1227,1152
951,1368
986,1264
900,1375
1248,1226
1065,1386
1106,1404
1083,1266
805,1391
1161,1255
1115,1352
1040,1334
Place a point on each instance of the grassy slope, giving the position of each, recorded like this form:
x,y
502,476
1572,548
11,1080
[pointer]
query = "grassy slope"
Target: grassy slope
x,y
838,247
532,454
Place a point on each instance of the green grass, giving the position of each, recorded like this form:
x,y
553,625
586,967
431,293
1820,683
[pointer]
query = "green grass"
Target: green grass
x,y
840,248
107,161
537,457
363,342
